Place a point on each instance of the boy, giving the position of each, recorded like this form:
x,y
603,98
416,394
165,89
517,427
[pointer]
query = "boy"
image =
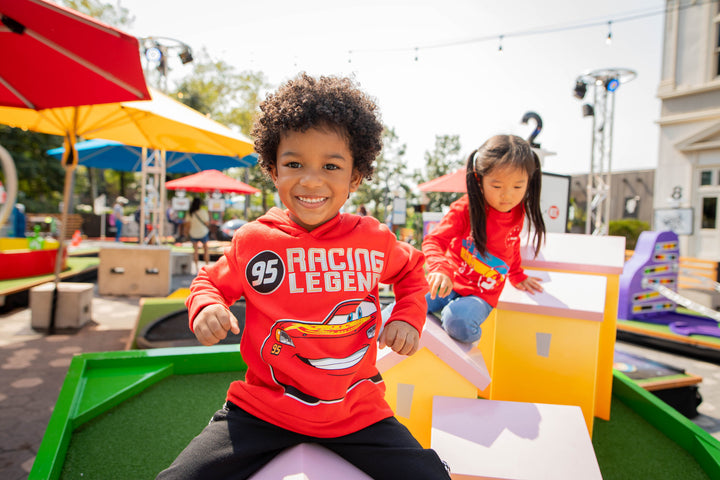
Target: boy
x,y
310,277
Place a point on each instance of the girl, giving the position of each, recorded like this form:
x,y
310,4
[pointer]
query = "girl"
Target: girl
x,y
476,246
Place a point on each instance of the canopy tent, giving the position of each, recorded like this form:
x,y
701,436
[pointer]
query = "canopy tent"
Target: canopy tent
x,y
451,182
100,153
210,181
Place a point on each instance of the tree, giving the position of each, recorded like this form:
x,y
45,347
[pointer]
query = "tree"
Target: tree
x,y
115,15
444,159
388,180
231,98
40,177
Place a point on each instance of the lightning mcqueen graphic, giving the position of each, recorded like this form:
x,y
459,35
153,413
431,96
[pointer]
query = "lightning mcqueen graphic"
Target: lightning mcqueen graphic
x,y
301,353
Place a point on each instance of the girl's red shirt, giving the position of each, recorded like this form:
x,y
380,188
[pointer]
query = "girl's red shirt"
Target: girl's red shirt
x,y
449,249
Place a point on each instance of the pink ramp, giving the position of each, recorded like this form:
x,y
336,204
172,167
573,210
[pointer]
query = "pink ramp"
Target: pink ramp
x,y
461,357
309,461
492,439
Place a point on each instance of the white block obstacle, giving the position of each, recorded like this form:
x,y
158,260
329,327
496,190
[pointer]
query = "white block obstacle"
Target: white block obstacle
x,y
492,439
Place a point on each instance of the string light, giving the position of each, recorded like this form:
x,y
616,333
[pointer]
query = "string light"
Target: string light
x,y
349,56
629,16
416,54
608,40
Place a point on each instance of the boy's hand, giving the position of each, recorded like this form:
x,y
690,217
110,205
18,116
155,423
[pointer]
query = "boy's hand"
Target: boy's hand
x,y
440,285
530,285
402,337
212,324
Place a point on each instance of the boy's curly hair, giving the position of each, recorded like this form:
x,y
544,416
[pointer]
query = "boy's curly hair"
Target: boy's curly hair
x,y
326,102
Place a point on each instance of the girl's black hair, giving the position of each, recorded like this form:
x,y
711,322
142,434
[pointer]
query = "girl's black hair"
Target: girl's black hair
x,y
195,205
503,151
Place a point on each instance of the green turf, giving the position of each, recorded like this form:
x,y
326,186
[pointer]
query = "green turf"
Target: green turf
x,y
660,328
150,429
144,434
153,308
628,447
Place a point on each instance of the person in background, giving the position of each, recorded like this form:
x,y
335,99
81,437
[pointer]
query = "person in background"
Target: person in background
x,y
18,220
199,231
119,216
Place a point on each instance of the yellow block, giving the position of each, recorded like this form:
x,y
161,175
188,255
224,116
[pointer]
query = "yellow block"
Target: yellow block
x,y
411,386
486,344
564,374
182,293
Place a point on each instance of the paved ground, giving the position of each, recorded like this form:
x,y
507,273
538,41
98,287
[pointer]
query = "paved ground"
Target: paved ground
x,y
33,367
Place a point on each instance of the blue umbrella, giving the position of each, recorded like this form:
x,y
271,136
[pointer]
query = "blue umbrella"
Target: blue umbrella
x,y
98,153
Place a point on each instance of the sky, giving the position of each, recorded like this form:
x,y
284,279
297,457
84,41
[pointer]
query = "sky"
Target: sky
x,y
470,68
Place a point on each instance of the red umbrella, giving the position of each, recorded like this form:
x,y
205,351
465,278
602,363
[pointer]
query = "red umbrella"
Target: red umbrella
x,y
210,181
56,57
452,182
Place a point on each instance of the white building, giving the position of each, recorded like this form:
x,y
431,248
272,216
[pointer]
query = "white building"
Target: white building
x,y
687,179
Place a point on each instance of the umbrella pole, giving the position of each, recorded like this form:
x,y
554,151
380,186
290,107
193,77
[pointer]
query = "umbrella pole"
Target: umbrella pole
x,y
67,194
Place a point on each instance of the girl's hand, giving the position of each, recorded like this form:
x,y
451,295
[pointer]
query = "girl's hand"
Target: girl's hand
x,y
530,285
402,337
212,324
440,285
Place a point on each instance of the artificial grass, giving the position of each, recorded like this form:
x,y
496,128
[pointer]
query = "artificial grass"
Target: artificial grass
x,y
143,435
628,447
151,309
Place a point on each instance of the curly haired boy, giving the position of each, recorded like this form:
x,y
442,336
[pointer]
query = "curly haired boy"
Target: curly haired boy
x,y
309,275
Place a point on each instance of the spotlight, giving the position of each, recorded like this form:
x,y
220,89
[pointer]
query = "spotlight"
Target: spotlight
x,y
588,110
580,89
154,54
186,56
612,84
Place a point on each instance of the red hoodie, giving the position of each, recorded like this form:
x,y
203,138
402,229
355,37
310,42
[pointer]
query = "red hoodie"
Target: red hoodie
x,y
450,249
312,317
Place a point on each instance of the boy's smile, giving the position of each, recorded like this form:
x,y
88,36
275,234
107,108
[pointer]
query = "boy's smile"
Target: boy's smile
x,y
314,175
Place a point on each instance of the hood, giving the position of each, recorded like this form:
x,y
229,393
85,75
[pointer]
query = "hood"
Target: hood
x,y
338,226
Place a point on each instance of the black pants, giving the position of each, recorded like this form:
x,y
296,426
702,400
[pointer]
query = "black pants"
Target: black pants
x,y
236,444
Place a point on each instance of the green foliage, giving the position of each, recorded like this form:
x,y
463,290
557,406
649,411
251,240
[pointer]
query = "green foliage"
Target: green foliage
x,y
628,228
40,177
444,159
115,15
389,179
231,98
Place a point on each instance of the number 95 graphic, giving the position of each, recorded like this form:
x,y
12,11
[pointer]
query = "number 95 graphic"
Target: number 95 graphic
x,y
265,271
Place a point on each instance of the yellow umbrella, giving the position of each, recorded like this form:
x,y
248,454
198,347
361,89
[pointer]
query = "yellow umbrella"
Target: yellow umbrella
x,y
160,123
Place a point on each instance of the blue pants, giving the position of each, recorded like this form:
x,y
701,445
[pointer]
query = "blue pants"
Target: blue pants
x,y
460,316
118,230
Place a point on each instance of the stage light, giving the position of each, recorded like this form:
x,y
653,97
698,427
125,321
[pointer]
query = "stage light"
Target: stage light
x,y
588,110
154,54
612,84
580,89
186,56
